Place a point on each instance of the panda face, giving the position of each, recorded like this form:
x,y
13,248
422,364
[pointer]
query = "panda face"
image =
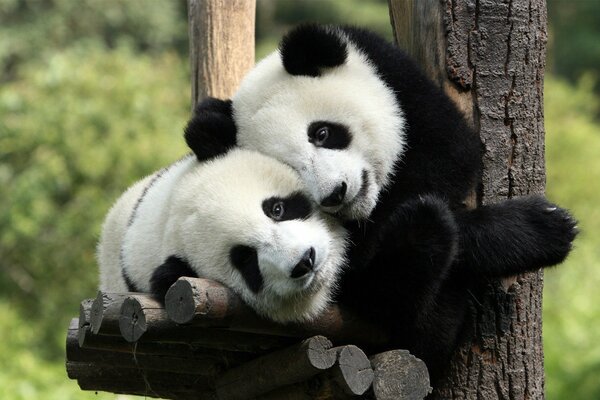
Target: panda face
x,y
339,130
249,224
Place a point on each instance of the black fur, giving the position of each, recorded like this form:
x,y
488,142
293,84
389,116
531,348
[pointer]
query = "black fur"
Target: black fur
x,y
307,51
339,137
245,259
167,274
295,206
421,255
211,131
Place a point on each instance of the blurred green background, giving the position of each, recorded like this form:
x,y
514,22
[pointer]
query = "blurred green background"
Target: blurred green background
x,y
94,94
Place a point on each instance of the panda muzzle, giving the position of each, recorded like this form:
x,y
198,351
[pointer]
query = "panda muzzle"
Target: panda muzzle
x,y
305,265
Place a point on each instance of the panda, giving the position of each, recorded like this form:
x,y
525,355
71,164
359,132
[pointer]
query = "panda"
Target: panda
x,y
383,149
242,219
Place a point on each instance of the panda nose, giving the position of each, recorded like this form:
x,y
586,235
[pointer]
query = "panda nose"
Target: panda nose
x,y
305,265
336,197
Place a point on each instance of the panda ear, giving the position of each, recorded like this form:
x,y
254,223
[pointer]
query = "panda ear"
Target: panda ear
x,y
308,48
211,131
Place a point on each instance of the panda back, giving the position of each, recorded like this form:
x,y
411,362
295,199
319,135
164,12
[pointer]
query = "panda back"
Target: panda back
x,y
111,238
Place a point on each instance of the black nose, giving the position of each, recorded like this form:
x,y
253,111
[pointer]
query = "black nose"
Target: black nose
x,y
305,265
336,197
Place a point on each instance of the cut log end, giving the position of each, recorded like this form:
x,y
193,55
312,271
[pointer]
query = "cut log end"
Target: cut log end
x,y
180,301
96,313
319,354
132,321
399,375
353,372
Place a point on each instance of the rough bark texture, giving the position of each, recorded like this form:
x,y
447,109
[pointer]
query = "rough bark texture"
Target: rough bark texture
x,y
489,56
221,45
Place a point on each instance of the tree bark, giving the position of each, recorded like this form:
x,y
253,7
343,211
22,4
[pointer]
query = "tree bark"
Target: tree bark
x,y
221,45
489,57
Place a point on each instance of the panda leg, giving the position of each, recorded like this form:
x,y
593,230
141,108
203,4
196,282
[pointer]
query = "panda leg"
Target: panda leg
x,y
411,258
514,236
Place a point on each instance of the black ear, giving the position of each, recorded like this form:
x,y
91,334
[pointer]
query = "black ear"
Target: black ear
x,y
308,48
211,131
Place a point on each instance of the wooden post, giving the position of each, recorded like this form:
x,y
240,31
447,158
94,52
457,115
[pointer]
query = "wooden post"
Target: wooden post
x,y
489,56
221,45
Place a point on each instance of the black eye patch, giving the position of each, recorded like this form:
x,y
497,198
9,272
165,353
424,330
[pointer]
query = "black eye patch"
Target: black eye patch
x,y
245,260
329,135
295,206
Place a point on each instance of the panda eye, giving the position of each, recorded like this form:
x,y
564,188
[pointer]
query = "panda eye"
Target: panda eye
x,y
329,135
294,206
277,211
321,135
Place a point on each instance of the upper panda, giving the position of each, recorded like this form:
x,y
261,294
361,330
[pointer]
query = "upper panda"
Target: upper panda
x,y
384,149
242,219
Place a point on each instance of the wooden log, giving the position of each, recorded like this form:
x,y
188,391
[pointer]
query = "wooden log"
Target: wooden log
x,y
191,297
352,372
206,303
285,367
118,344
399,375
151,384
139,313
84,316
107,315
106,304
221,45
199,364
350,376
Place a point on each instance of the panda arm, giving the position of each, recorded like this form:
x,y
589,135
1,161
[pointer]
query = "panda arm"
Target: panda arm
x,y
211,131
514,236
165,275
406,259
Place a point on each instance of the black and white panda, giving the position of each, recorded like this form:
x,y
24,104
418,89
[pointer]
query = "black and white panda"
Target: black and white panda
x,y
384,149
242,219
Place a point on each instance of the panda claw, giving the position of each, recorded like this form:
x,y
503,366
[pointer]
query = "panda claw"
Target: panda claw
x,y
551,209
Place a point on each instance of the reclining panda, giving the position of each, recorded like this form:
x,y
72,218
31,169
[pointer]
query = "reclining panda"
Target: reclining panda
x,y
384,149
242,219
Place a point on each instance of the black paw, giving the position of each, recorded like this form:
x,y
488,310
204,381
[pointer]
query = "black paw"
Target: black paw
x,y
426,229
211,131
550,229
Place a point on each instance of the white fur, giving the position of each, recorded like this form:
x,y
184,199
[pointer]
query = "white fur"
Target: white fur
x,y
273,109
199,211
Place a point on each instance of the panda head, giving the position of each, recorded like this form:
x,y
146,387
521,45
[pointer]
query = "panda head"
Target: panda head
x,y
246,221
318,105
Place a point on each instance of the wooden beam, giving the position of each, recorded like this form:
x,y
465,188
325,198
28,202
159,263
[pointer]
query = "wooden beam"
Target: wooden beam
x,y
221,45
264,374
489,57
205,303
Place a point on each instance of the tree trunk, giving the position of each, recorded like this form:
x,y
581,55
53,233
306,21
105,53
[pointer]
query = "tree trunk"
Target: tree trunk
x,y
489,57
221,45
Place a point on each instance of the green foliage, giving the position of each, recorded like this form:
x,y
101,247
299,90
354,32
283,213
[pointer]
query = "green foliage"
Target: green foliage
x,y
91,101
574,38
23,374
35,28
571,315
274,18
73,136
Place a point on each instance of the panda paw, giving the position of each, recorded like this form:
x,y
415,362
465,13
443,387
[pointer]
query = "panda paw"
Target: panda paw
x,y
425,231
551,230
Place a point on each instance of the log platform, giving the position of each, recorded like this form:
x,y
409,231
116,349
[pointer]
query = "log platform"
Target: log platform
x,y
205,343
